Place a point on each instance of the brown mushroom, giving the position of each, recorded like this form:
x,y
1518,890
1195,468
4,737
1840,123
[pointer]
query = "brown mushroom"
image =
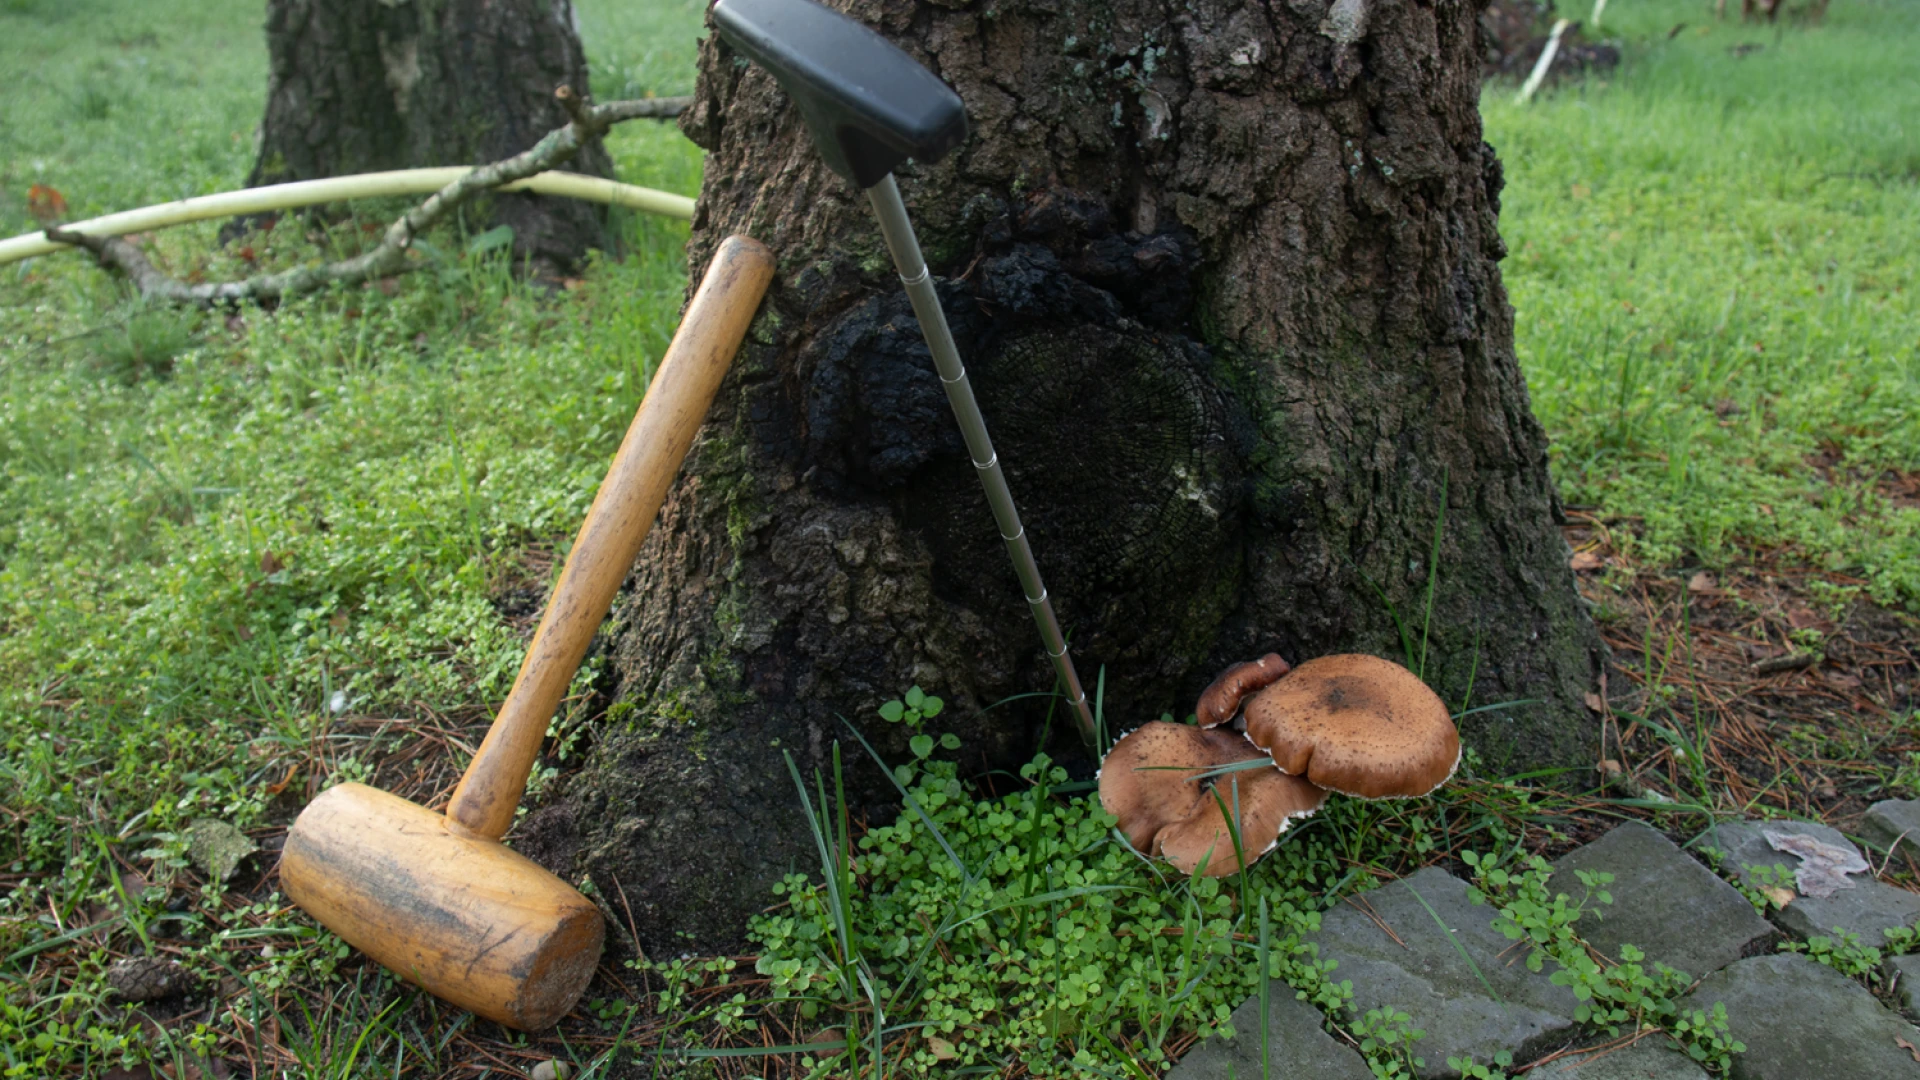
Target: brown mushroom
x,y
1356,724
1268,803
1219,701
1150,780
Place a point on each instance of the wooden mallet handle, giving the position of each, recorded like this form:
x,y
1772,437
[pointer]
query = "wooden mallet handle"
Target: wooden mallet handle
x,y
622,513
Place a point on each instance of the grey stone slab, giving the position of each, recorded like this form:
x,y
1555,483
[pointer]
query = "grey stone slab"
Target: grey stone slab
x,y
1677,911
1399,954
1648,1059
1903,974
1298,1046
1868,909
1893,821
1804,1021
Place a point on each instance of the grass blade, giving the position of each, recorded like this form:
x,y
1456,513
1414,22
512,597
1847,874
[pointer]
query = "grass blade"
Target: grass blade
x,y
1457,947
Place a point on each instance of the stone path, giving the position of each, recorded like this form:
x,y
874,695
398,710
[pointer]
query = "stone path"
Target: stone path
x,y
1803,1021
1402,946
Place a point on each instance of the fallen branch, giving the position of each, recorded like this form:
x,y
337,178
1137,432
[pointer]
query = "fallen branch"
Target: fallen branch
x,y
297,194
389,258
1546,61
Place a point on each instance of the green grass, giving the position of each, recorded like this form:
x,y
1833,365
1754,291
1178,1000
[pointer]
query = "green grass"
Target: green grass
x,y
235,548
1712,265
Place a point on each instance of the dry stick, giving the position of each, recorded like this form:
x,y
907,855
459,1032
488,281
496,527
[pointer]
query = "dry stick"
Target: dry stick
x,y
389,258
1546,61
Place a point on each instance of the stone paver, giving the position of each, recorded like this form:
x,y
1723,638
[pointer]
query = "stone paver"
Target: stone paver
x,y
1867,909
1803,1021
1648,1059
1892,821
1418,969
1904,973
1297,1046
1677,911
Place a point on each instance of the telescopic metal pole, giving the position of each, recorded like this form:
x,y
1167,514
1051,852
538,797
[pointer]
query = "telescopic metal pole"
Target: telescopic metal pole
x,y
885,197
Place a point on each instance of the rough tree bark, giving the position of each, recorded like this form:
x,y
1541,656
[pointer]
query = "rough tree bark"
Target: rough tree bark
x,y
1226,278
364,85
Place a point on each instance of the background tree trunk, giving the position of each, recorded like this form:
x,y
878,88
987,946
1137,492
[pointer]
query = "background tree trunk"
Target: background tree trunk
x,y
364,85
1226,278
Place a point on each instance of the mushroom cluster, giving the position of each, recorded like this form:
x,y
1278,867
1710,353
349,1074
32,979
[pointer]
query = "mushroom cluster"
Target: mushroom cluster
x,y
1350,723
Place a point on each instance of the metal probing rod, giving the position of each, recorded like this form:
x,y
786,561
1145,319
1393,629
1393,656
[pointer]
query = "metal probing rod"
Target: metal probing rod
x,y
898,231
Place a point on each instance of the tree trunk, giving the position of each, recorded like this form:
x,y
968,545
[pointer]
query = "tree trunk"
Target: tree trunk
x,y
1226,279
366,85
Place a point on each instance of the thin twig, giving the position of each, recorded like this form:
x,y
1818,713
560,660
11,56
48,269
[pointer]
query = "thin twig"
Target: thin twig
x,y
587,122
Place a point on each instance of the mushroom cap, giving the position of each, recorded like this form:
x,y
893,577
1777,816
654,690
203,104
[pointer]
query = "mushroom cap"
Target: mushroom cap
x,y
1221,699
1149,781
1356,724
1269,801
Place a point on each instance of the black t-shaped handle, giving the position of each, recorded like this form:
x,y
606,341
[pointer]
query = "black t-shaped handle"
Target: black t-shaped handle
x,y
869,105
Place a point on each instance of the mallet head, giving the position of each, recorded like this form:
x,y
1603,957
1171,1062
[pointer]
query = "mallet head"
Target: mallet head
x,y
462,917
869,105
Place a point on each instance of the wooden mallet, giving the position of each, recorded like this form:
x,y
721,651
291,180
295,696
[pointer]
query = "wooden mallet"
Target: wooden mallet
x,y
437,899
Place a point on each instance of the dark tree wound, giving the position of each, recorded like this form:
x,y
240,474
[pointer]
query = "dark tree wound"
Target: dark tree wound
x,y
366,85
1225,276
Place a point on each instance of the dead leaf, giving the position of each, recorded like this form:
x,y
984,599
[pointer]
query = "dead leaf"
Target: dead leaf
x,y
1801,619
1596,702
46,204
1907,1046
270,564
1778,895
942,1049
1700,582
1841,680
1586,560
1823,867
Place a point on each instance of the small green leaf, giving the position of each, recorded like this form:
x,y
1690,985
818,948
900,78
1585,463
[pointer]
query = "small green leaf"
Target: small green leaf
x,y
914,697
949,741
922,745
932,706
892,711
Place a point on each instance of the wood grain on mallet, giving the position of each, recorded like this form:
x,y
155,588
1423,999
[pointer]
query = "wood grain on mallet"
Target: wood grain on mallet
x,y
649,458
468,919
